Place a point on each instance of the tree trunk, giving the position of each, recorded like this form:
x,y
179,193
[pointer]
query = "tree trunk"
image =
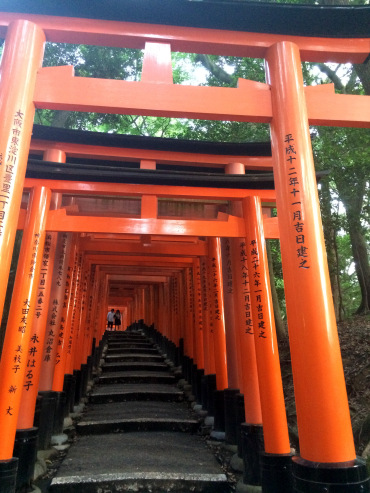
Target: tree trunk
x,y
60,119
280,329
360,256
330,231
353,203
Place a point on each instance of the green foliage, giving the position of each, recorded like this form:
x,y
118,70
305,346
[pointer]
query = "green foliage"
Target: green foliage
x,y
343,152
126,64
278,273
351,294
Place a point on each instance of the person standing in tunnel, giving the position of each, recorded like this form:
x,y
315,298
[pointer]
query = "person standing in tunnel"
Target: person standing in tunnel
x,y
117,320
110,318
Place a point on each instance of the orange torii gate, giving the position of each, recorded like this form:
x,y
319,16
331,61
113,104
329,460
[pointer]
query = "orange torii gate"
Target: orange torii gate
x,y
327,456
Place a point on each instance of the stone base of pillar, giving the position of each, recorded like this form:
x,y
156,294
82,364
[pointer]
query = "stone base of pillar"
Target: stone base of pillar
x,y
25,449
185,365
60,406
211,386
69,387
47,413
240,418
276,473
89,367
194,369
252,446
181,351
8,475
348,477
78,389
203,385
36,417
230,416
198,385
84,378
219,397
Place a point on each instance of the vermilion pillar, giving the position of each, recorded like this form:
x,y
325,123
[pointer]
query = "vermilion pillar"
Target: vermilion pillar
x,y
217,302
80,317
182,306
275,426
84,350
198,309
15,350
71,348
245,336
36,343
91,298
232,309
21,58
65,329
208,333
55,312
189,329
324,424
230,318
175,308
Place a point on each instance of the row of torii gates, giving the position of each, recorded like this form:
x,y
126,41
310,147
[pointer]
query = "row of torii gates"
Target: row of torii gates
x,y
171,271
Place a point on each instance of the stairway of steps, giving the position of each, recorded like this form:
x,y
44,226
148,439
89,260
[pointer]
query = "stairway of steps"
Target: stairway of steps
x,y
138,433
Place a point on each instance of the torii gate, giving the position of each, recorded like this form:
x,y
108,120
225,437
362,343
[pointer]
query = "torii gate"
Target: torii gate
x,y
327,452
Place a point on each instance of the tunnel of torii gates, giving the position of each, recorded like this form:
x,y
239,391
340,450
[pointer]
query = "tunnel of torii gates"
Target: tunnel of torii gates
x,y
187,256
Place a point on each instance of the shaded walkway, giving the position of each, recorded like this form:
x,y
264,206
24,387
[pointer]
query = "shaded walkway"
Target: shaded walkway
x,y
138,433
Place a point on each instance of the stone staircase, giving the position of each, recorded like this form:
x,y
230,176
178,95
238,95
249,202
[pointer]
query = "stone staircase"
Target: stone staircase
x,y
138,432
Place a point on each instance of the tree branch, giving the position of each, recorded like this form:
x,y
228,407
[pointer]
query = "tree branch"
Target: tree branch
x,y
352,81
363,73
215,70
332,75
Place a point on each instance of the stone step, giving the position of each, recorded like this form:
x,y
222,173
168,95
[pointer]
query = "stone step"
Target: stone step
x,y
134,357
116,346
134,365
136,376
117,335
131,392
140,461
135,416
140,350
127,347
127,340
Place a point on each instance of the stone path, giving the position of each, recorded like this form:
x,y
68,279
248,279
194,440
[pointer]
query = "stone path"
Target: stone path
x,y
138,433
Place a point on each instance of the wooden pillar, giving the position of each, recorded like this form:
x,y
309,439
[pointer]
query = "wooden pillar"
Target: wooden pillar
x,y
198,310
217,302
177,308
14,359
72,342
80,317
245,331
54,312
65,328
208,339
37,339
189,328
233,358
85,343
21,58
182,305
275,428
91,301
324,425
